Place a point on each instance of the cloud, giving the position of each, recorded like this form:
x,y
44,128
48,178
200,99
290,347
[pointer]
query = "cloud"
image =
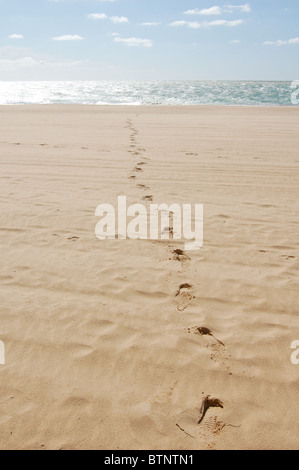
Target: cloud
x,y
16,36
135,42
19,58
194,24
8,65
207,24
119,19
150,23
103,16
288,42
230,24
97,16
217,10
68,37
242,8
206,12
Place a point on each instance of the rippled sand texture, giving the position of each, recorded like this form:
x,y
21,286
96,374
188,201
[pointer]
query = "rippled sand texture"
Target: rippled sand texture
x,y
104,346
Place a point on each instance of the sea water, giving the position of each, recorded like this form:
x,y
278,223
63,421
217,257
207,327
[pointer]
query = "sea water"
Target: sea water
x,y
234,93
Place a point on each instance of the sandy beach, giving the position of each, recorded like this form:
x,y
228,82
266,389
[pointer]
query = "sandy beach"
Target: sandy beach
x,y
103,348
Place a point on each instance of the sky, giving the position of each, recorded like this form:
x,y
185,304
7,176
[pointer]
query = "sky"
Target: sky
x,y
149,40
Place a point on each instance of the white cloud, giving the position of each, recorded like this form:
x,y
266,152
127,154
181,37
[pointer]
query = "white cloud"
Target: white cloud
x,y
103,16
293,41
288,42
16,36
119,19
190,24
7,65
242,8
217,10
135,42
97,16
180,23
208,24
68,37
206,12
18,58
230,24
150,23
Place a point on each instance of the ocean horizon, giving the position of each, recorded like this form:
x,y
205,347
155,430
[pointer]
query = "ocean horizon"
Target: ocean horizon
x,y
148,93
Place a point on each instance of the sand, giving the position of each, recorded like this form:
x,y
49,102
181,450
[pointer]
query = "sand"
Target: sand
x,y
100,351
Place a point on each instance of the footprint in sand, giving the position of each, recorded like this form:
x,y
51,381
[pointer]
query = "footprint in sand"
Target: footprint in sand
x,y
203,331
183,286
218,355
73,239
184,296
180,255
201,424
143,186
148,198
138,170
287,257
218,351
208,403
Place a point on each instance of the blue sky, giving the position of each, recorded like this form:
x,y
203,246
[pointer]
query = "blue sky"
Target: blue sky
x,y
149,40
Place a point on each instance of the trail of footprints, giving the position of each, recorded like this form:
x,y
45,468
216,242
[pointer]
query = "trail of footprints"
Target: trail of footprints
x,y
184,294
142,160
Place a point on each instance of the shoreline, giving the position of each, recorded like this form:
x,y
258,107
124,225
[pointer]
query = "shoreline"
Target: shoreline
x,y
150,106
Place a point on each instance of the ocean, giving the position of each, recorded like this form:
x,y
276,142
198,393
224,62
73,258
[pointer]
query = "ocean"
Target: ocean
x,y
231,93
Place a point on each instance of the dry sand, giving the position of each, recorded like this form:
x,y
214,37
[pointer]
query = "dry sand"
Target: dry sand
x,y
99,354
